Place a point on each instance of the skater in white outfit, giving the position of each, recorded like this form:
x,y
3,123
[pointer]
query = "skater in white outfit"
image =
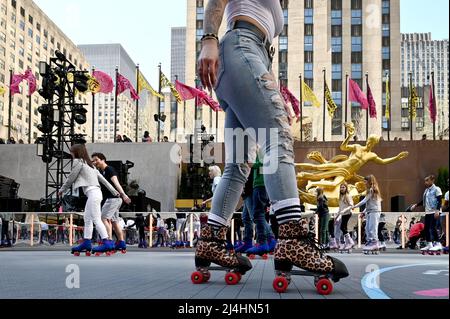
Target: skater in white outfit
x,y
86,176
372,213
432,201
344,215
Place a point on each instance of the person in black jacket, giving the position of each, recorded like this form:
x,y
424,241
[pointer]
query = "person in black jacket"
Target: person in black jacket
x,y
324,217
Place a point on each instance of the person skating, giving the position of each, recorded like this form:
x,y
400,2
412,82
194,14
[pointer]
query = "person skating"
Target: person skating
x,y
247,216
111,204
242,77
344,215
85,175
432,202
324,217
372,213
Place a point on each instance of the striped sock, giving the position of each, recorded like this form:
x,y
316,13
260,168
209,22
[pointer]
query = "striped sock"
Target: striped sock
x,y
287,210
216,221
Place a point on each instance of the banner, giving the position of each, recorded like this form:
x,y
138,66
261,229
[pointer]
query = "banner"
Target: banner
x,y
105,81
331,105
432,105
372,104
124,84
166,83
387,115
189,93
93,84
289,98
413,102
144,85
2,90
357,95
309,96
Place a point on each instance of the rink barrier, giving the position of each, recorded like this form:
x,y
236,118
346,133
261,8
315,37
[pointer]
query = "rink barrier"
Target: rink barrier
x,y
33,223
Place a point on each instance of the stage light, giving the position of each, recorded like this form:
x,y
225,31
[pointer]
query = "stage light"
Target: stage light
x,y
47,119
81,82
79,114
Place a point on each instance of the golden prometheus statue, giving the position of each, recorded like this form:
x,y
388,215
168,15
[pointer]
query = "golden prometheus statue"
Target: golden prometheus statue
x,y
329,175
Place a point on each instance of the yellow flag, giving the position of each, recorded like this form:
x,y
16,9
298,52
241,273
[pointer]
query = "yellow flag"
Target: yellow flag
x,y
144,85
166,83
2,90
331,105
309,96
93,84
388,100
414,101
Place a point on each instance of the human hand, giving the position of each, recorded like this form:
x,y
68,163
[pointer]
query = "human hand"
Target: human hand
x,y
402,155
126,199
208,63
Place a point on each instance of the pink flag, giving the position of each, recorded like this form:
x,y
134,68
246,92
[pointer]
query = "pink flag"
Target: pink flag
x,y
290,98
189,93
356,95
372,104
432,106
124,84
31,79
15,82
106,82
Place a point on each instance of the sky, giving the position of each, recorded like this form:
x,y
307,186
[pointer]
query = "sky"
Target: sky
x,y
144,27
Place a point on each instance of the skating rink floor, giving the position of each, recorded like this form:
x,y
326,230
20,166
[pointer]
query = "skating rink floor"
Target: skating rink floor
x,y
166,275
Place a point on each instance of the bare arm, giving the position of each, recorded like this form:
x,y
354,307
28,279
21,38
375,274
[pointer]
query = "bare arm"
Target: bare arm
x,y
391,160
103,181
120,189
347,148
208,62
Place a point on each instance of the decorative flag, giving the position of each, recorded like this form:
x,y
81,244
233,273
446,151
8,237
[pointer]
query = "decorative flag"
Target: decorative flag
x,y
309,96
166,83
144,85
357,95
331,105
388,100
93,84
106,82
31,79
432,105
2,90
124,84
371,101
414,101
189,93
290,98
15,82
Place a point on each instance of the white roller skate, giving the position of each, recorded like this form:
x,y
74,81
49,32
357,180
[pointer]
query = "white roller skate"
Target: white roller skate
x,y
371,248
426,249
348,246
436,250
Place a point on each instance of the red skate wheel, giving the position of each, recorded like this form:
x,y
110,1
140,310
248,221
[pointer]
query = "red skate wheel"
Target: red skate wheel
x,y
197,278
76,254
239,276
124,252
232,278
324,287
206,276
280,284
251,257
88,253
98,254
265,257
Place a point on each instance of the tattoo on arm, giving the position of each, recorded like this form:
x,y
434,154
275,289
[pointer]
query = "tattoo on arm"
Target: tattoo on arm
x,y
214,15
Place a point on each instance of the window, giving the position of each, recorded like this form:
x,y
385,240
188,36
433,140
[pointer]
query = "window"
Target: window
x,y
38,26
30,19
22,25
30,32
22,12
14,3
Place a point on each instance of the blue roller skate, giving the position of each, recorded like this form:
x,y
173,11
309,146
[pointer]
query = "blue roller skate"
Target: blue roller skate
x,y
84,247
105,248
244,247
272,245
121,246
258,250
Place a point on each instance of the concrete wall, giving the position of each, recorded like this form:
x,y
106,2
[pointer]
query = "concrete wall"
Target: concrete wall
x,y
156,174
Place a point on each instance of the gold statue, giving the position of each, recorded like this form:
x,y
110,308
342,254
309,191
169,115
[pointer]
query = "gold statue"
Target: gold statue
x,y
330,174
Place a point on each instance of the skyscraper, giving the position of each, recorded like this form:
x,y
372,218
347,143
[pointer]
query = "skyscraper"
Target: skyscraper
x,y
178,69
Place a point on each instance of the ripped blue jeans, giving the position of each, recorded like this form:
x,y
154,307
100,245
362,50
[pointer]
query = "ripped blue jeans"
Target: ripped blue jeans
x,y
255,114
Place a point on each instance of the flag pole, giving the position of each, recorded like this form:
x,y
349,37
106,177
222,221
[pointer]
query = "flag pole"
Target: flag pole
x,y
176,113
137,103
159,104
388,104
10,103
93,111
324,100
410,104
367,111
346,102
435,104
116,105
196,107
29,115
301,107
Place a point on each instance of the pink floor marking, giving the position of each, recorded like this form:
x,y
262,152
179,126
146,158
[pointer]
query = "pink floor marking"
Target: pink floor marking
x,y
433,293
